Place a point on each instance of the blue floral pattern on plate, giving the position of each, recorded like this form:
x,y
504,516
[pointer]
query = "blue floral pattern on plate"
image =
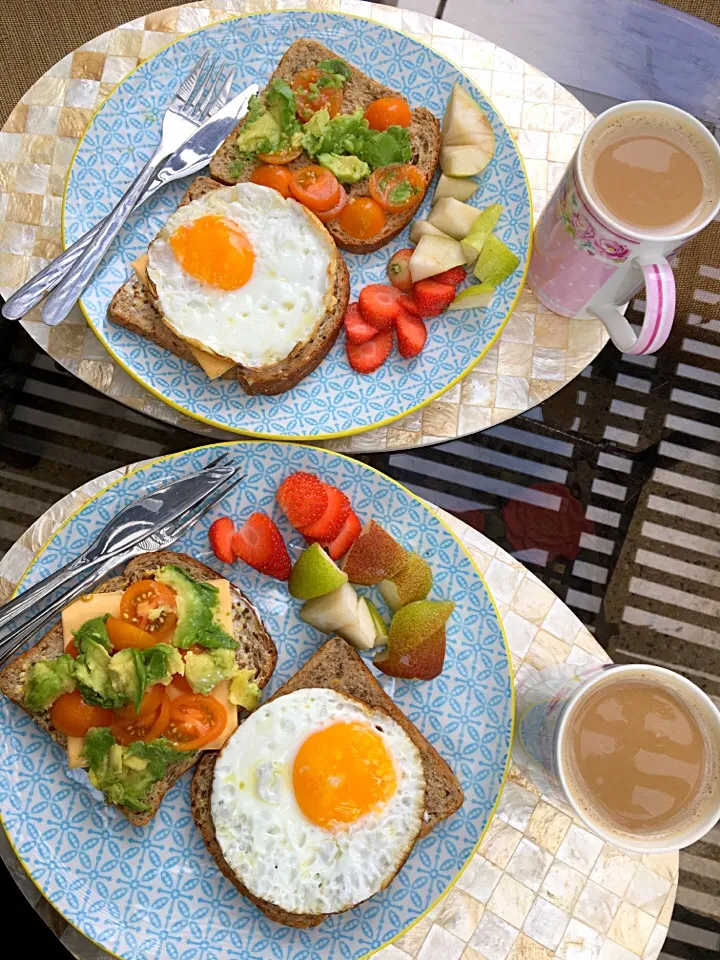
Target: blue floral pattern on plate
x,y
154,891
333,400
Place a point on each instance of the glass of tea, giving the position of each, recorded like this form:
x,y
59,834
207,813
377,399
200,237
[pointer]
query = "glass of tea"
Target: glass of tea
x,y
633,749
644,180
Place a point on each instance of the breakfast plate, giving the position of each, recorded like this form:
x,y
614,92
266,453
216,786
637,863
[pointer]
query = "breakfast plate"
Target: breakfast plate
x,y
154,890
333,400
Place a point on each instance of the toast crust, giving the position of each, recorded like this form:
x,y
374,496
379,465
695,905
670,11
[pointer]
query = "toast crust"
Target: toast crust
x,y
358,93
338,667
257,650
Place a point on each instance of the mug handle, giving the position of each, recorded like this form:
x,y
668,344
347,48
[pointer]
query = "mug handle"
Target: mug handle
x,y
659,310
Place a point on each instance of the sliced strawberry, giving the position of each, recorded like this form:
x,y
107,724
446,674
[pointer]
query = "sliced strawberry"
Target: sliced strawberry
x,y
454,276
398,270
378,305
407,303
356,329
432,297
367,357
351,530
259,543
302,498
411,334
331,522
221,533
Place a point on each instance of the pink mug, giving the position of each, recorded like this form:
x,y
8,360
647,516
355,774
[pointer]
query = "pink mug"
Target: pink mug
x,y
586,264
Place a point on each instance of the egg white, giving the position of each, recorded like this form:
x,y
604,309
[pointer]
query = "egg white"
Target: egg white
x,y
284,300
276,852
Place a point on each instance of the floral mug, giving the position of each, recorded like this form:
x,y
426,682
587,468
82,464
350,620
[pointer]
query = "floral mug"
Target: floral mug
x,y
585,265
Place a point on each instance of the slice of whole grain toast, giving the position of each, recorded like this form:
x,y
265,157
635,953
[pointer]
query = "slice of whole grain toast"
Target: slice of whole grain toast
x,y
135,308
358,93
337,666
256,650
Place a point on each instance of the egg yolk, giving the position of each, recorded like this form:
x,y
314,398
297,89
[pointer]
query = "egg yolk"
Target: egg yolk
x,y
215,251
342,773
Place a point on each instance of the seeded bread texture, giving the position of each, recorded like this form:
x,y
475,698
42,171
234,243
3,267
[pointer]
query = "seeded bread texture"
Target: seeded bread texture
x,y
358,93
256,650
336,666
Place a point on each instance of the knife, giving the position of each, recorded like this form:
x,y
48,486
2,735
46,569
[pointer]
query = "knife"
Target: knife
x,y
195,153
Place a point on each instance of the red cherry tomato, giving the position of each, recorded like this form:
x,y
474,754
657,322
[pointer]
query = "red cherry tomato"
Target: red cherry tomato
x,y
362,218
312,95
388,112
316,188
278,178
397,187
73,717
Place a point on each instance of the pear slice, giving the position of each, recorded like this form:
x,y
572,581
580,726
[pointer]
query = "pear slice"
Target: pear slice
x,y
332,611
496,262
465,123
461,188
416,643
453,217
473,298
464,161
363,632
419,228
374,556
315,574
434,255
481,229
412,583
381,630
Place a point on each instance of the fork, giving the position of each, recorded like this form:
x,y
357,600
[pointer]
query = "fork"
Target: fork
x,y
159,539
199,93
126,528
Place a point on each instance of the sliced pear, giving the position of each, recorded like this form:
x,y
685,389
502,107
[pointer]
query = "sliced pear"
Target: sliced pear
x,y
362,633
460,188
464,161
421,228
411,583
381,630
454,218
314,574
465,123
496,262
473,298
433,255
484,225
332,611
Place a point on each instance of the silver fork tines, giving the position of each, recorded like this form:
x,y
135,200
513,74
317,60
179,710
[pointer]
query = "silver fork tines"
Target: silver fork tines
x,y
188,84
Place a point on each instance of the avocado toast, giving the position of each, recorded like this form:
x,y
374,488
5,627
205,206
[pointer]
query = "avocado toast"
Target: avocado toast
x,y
135,776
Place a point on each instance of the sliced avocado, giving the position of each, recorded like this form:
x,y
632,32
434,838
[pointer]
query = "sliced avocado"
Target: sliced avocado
x,y
262,132
346,169
203,671
47,680
197,605
128,675
115,758
92,674
244,692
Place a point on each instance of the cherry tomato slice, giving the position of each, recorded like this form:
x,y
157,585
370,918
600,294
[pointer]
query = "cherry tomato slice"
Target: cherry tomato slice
x,y
181,684
194,721
149,704
327,215
123,634
72,649
397,187
277,178
316,188
362,218
388,112
311,96
151,606
73,717
145,727
281,156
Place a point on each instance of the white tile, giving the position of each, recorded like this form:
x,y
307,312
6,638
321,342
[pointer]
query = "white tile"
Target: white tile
x,y
392,953
493,937
648,891
596,907
580,849
441,945
511,901
561,622
657,939
546,923
580,942
613,951
81,93
10,146
520,633
503,580
562,885
529,864
614,870
516,804
42,119
479,878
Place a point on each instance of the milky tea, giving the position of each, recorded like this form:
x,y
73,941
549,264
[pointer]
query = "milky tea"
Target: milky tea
x,y
639,756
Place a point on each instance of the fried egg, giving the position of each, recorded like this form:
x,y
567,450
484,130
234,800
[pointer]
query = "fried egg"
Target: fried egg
x,y
243,273
317,800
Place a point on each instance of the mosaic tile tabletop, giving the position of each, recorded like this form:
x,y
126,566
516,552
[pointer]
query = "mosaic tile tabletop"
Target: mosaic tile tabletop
x,y
540,886
537,352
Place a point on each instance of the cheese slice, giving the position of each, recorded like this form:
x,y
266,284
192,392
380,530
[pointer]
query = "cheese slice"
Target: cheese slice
x,y
98,604
213,366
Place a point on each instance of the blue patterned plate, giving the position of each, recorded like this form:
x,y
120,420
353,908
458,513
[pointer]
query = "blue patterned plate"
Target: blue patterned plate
x,y
155,891
333,401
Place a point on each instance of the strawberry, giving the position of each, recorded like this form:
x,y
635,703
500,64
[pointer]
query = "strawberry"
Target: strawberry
x,y
454,276
432,297
378,305
346,538
259,544
356,329
220,533
302,498
367,357
407,303
331,522
411,334
398,270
